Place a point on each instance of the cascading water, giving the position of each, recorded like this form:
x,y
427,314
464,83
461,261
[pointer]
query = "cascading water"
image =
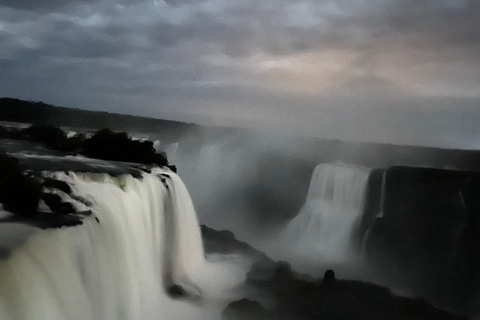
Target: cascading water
x,y
146,238
382,195
334,204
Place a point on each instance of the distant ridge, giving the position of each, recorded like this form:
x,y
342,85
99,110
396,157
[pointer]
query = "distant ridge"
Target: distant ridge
x,y
309,149
17,110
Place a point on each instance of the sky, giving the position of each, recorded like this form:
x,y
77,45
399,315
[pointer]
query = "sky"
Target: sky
x,y
397,71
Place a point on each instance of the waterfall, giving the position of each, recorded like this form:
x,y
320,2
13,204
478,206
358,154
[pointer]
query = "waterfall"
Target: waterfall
x,y
382,195
146,236
334,204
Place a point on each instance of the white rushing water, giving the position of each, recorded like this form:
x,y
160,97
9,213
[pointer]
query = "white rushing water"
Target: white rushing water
x,y
323,228
147,238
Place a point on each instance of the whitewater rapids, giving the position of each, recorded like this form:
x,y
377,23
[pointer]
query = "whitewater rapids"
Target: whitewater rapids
x,y
146,238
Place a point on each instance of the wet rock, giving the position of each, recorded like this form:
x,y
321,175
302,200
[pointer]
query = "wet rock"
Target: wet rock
x,y
245,309
334,299
224,242
20,194
108,145
50,135
55,203
428,240
4,132
329,275
57,184
176,291
54,220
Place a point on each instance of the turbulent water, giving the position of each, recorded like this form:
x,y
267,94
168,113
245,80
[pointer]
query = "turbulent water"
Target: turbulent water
x,y
147,238
335,201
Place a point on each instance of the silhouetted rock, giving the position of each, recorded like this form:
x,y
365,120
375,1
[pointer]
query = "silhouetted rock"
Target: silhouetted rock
x,y
18,193
50,135
176,291
372,205
283,272
4,132
57,184
46,220
55,203
245,309
428,240
329,276
21,195
224,242
108,145
333,299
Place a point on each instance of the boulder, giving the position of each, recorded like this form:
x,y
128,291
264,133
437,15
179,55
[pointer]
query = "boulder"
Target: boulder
x,y
50,135
55,203
18,193
57,184
245,309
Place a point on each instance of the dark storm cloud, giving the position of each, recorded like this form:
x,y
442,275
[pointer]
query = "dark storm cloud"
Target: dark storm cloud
x,y
39,4
300,59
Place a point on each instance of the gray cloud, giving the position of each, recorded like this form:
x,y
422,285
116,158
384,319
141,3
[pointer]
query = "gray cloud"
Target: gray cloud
x,y
41,5
376,66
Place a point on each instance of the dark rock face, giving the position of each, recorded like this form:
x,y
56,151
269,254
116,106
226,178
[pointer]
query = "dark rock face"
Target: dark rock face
x,y
245,309
105,144
176,291
4,133
56,184
50,135
47,220
372,203
21,195
224,242
329,275
429,238
18,193
327,298
54,202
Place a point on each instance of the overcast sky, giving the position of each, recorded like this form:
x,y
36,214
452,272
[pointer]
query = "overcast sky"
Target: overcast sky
x,y
401,71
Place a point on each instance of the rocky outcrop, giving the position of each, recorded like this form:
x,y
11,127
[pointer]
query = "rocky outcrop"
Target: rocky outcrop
x,y
57,184
104,144
327,298
19,193
373,204
224,242
108,145
428,240
246,309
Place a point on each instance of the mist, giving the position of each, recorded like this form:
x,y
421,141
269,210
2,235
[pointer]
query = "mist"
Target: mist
x,y
383,71
331,135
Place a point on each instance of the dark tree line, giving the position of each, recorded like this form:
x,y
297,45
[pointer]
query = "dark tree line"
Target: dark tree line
x,y
44,114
